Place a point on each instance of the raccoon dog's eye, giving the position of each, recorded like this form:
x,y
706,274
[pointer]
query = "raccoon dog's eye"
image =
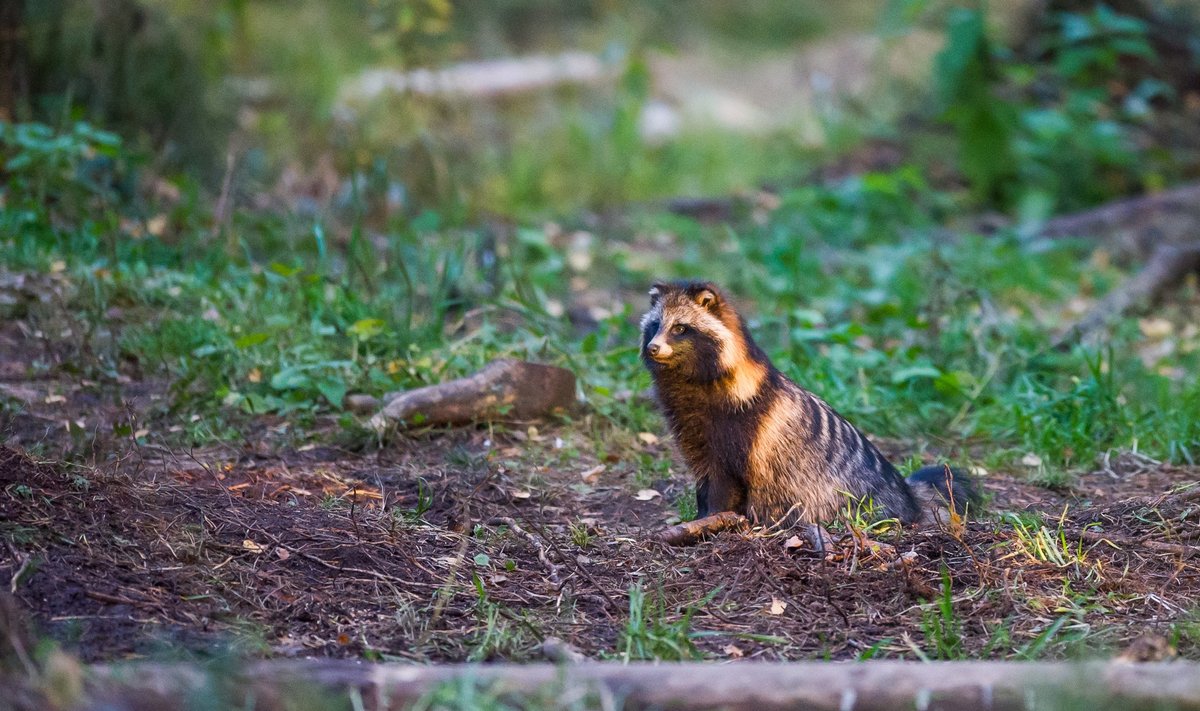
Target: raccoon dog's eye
x,y
678,329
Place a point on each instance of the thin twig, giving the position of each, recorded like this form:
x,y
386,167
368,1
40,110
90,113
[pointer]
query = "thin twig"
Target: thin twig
x,y
16,578
582,571
551,568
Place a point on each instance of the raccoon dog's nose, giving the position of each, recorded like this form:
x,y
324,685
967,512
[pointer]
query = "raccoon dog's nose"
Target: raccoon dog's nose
x,y
653,348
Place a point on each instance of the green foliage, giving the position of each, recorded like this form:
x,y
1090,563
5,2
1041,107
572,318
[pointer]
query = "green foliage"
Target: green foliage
x,y
423,504
864,288
862,516
685,504
1089,47
1185,632
1021,147
1039,645
1043,545
1075,423
575,154
865,303
67,174
941,625
139,67
1071,156
649,635
581,535
985,125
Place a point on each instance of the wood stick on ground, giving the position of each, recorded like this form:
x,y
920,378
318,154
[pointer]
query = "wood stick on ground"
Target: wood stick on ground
x,y
692,532
820,686
552,570
1166,269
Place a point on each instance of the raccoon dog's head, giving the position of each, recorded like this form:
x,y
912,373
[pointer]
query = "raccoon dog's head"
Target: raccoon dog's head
x,y
691,332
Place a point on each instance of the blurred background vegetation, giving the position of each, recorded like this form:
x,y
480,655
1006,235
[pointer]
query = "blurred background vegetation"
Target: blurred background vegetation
x,y
274,203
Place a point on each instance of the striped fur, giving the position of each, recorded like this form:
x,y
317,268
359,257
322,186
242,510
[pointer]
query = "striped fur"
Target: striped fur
x,y
756,442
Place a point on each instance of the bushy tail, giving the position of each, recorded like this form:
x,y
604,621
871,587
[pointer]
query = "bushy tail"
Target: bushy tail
x,y
939,486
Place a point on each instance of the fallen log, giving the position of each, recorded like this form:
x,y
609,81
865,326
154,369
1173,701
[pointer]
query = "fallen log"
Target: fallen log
x,y
494,78
818,686
692,532
1167,268
1134,227
504,389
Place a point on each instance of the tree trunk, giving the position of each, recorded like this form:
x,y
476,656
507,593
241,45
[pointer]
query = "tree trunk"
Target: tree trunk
x,y
12,58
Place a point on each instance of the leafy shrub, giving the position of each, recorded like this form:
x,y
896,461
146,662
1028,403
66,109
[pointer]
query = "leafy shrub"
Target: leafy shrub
x,y
1042,143
71,172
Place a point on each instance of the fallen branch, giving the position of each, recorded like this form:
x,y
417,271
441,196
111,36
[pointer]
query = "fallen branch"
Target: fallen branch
x,y
1179,497
505,388
1145,542
1135,227
1168,266
819,686
692,532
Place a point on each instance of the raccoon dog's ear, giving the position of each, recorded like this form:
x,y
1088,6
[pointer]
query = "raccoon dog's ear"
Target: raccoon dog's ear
x,y
707,299
656,292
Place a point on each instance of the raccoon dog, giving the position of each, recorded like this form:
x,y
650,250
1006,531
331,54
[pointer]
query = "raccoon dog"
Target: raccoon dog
x,y
758,443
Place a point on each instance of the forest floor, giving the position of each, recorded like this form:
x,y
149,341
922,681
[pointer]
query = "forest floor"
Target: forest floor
x,y
479,543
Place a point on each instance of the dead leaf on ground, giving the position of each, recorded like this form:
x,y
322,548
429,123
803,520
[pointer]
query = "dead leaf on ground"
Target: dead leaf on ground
x,y
777,606
647,494
1155,328
157,225
648,438
591,476
252,546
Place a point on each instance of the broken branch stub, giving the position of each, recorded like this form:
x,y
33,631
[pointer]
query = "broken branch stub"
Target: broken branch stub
x,y
503,389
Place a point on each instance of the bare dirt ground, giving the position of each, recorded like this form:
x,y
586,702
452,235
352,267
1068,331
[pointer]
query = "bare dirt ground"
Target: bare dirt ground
x,y
479,543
